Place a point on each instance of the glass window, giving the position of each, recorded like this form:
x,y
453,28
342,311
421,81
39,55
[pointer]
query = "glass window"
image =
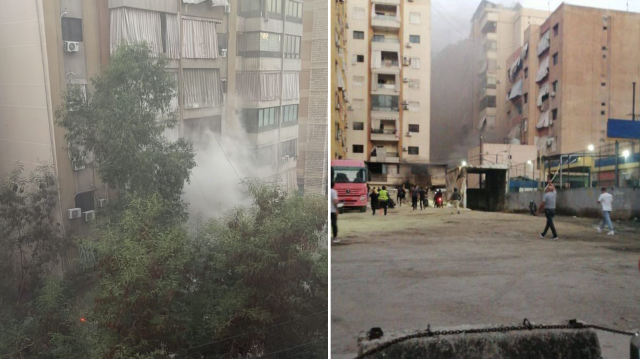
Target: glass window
x,y
289,148
71,29
349,174
414,39
358,149
358,13
414,128
414,150
358,126
358,35
414,18
260,118
292,47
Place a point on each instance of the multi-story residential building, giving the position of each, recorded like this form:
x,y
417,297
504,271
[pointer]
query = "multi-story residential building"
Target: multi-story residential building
x,y
339,96
237,65
389,82
498,31
313,113
587,65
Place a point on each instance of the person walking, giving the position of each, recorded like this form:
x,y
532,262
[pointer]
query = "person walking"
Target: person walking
x,y
383,198
606,199
422,194
455,200
374,201
401,195
414,197
334,214
549,206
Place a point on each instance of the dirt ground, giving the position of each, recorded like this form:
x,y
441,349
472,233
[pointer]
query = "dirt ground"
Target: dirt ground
x,y
413,268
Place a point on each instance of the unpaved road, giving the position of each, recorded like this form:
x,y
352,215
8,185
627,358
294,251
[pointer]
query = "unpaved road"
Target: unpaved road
x,y
412,268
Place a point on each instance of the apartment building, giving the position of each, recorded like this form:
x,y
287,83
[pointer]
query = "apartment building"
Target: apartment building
x,y
498,31
587,62
237,64
339,95
313,114
389,68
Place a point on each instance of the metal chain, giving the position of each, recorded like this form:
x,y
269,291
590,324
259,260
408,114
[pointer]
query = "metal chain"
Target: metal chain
x,y
526,325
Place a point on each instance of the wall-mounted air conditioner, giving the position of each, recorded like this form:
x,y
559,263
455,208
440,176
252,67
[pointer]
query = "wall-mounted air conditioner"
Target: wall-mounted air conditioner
x,y
71,46
552,94
227,9
75,213
405,80
223,53
89,216
406,61
102,202
409,44
408,134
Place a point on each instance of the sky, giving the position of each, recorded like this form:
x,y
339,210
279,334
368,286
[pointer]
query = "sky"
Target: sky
x,y
450,19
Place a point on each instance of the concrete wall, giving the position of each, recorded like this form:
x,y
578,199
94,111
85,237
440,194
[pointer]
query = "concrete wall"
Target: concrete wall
x,y
582,202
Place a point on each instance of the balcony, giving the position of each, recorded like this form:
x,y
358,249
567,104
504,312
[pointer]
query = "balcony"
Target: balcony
x,y
385,17
385,135
390,157
385,105
385,84
489,22
385,43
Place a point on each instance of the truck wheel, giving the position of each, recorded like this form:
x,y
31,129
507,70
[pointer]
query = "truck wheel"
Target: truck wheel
x,y
363,209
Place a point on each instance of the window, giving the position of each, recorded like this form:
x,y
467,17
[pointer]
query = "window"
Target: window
x,y
414,84
604,47
604,28
267,116
414,106
414,39
554,114
358,35
526,72
292,46
526,97
604,56
265,155
415,62
414,18
294,11
71,29
85,201
359,58
358,126
290,114
555,58
260,44
603,84
274,6
555,30
525,125
414,150
378,38
358,149
604,104
358,81
602,112
384,103
414,128
358,13
289,148
555,85
249,6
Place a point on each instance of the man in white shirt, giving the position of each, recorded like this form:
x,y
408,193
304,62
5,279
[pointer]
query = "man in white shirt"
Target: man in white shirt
x,y
606,199
334,214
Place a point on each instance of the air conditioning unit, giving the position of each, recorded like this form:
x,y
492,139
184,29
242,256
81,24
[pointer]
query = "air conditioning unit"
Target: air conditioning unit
x,y
89,216
552,94
405,107
71,46
75,213
406,61
224,53
405,102
409,44
404,149
350,108
102,202
405,80
408,134
227,9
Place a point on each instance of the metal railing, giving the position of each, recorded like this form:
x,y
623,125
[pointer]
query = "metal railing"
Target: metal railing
x,y
384,132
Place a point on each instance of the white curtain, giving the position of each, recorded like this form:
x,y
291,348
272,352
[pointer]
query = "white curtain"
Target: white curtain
x,y
173,37
291,86
543,70
376,59
544,90
202,88
259,86
516,90
199,38
133,25
544,42
544,120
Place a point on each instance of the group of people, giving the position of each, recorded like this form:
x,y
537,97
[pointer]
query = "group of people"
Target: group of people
x,y
548,205
379,199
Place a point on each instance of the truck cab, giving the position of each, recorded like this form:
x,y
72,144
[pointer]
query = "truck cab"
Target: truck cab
x,y
350,181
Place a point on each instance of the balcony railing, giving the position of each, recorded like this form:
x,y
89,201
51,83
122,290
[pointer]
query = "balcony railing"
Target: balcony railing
x,y
387,86
390,63
386,18
387,40
386,132
384,109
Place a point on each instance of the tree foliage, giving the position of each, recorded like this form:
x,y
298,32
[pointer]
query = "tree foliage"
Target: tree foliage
x,y
122,122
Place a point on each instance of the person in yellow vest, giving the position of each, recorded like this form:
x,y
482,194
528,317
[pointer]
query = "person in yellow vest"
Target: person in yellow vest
x,y
383,199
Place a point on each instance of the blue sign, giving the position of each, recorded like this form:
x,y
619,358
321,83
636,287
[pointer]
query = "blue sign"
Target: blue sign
x,y
623,129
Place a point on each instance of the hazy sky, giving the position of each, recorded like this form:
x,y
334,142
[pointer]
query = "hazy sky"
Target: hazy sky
x,y
451,18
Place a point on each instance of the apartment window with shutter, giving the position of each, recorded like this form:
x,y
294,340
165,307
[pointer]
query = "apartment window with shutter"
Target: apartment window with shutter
x,y
292,46
289,148
358,126
414,106
414,150
358,149
358,35
414,39
414,128
359,58
289,114
415,62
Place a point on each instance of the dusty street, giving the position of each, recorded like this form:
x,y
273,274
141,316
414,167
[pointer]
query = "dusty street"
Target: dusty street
x,y
412,268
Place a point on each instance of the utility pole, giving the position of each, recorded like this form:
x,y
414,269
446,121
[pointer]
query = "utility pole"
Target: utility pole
x,y
480,175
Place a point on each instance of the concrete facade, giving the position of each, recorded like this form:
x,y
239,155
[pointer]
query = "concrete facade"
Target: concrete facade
x,y
497,31
388,76
314,85
592,63
339,83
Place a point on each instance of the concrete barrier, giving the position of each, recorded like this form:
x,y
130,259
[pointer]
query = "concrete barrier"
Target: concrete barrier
x,y
582,202
534,344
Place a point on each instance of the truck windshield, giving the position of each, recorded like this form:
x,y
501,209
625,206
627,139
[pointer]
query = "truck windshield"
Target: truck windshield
x,y
349,175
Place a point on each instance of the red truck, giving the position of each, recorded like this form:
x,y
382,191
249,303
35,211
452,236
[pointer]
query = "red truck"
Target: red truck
x,y
350,179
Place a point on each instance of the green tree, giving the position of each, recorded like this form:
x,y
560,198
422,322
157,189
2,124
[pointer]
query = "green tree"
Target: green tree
x,y
122,123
